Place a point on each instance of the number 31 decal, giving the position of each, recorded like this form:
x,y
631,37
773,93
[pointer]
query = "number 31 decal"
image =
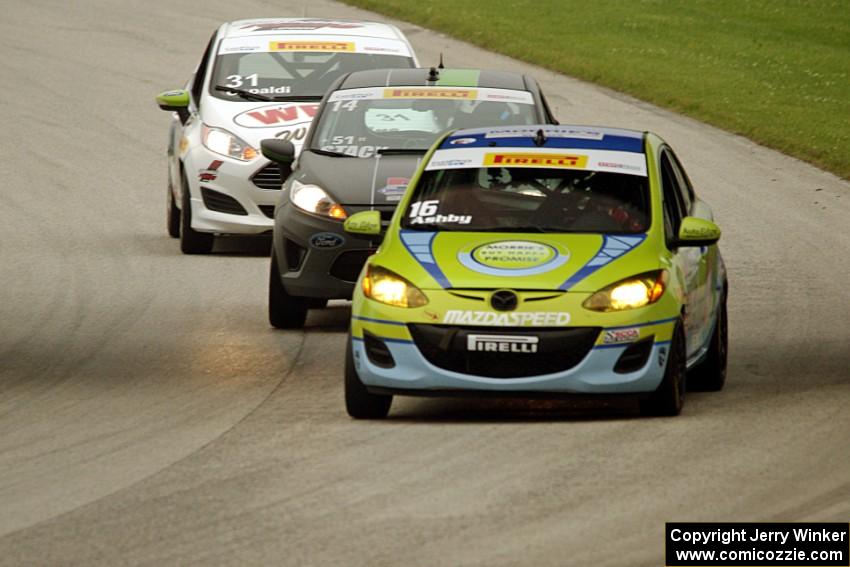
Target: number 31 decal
x,y
236,81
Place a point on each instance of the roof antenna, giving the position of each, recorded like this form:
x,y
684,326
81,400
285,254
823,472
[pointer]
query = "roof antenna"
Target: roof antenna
x,y
441,66
433,75
539,138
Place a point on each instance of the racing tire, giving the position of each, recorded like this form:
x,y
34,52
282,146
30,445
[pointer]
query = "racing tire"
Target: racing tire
x,y
172,217
669,398
359,402
192,241
710,374
317,303
285,311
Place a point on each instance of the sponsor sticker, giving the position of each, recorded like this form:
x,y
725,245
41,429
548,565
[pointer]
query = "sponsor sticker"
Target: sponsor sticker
x,y
514,254
450,163
525,132
277,115
394,189
452,94
510,159
325,46
512,319
462,141
621,336
300,25
502,343
326,240
211,172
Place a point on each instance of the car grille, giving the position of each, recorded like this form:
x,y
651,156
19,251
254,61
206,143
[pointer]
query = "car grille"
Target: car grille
x,y
267,210
221,203
268,178
347,265
558,349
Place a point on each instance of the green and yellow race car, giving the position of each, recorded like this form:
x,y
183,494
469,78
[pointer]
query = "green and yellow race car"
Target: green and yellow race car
x,y
539,261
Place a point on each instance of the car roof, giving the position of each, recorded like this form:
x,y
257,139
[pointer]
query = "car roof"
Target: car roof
x,y
556,136
310,26
447,78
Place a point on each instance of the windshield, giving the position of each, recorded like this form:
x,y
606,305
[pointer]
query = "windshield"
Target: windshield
x,y
290,74
523,199
363,122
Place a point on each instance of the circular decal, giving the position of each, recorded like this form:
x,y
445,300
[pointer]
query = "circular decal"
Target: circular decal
x,y
514,254
326,240
463,141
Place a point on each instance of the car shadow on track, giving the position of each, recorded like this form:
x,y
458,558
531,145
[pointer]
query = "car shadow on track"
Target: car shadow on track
x,y
510,410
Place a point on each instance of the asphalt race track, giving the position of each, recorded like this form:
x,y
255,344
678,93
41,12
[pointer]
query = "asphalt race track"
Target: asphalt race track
x,y
149,414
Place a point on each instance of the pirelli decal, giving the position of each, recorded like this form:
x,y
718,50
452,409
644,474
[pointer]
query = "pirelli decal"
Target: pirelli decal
x,y
452,94
511,159
325,46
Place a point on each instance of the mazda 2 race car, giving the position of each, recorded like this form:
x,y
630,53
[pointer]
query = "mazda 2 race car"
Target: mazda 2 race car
x,y
369,135
537,261
257,79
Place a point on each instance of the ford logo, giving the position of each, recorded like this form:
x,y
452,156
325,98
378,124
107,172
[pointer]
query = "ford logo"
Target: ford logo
x,y
326,240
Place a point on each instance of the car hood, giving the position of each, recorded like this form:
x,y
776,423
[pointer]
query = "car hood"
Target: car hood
x,y
474,260
257,121
379,180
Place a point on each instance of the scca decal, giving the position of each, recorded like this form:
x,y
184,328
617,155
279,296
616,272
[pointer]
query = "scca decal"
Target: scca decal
x,y
467,94
514,319
277,115
335,46
536,160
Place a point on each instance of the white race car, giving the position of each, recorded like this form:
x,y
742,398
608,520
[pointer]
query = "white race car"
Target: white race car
x,y
257,79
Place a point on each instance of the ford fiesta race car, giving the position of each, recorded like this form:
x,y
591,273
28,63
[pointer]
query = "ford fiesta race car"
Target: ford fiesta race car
x,y
257,79
536,261
370,133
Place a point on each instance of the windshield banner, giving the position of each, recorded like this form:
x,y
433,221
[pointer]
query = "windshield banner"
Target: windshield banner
x,y
629,163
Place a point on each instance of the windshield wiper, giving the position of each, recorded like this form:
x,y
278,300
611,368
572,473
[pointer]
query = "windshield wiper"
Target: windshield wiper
x,y
322,152
305,98
401,151
247,95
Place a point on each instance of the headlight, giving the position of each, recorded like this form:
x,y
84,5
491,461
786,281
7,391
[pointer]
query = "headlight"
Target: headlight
x,y
631,293
314,199
386,287
227,144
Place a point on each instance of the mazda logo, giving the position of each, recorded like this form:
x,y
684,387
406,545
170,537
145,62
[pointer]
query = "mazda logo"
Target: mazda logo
x,y
504,300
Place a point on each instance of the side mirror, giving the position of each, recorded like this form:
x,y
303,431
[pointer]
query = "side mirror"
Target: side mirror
x,y
280,151
365,223
175,101
697,232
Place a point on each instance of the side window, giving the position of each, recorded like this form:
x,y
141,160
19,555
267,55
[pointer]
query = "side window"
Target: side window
x,y
201,72
674,206
687,189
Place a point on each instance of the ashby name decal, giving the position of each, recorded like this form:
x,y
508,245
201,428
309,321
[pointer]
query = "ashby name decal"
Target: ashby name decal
x,y
501,343
513,319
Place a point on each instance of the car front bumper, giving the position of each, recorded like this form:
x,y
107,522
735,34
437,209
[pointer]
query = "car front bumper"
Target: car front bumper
x,y
591,372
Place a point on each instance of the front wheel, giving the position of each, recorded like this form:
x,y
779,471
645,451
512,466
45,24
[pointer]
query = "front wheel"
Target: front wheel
x,y
192,241
710,374
172,215
359,402
285,311
669,398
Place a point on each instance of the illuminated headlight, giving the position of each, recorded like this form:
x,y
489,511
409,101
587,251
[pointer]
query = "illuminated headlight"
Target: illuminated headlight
x,y
387,287
227,144
314,199
631,293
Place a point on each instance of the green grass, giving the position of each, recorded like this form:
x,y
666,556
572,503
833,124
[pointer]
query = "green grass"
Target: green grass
x,y
775,71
